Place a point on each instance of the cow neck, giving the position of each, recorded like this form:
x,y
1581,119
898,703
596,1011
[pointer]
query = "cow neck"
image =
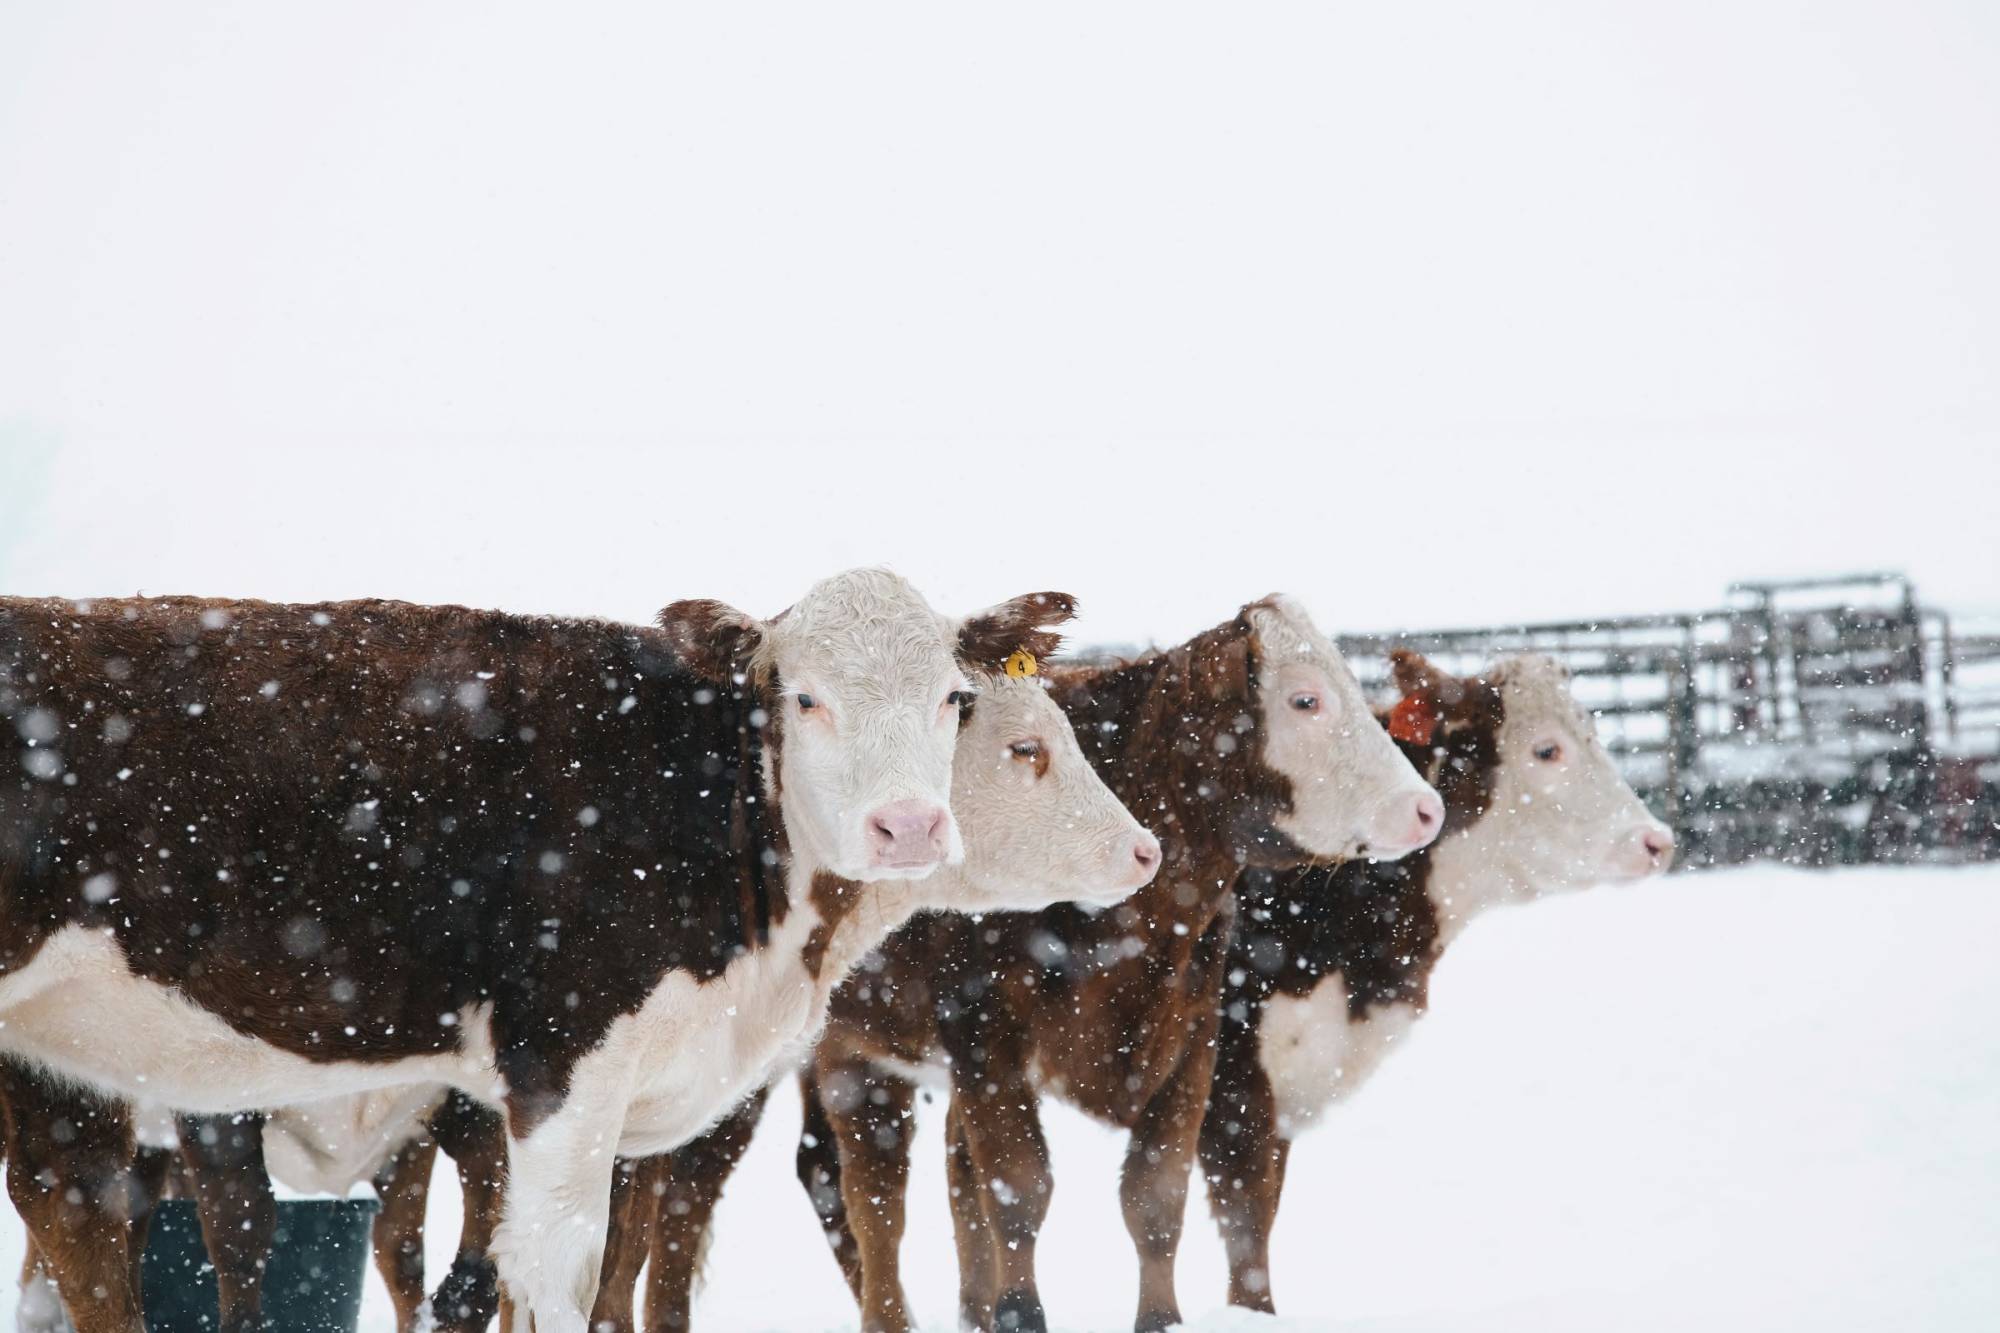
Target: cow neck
x,y
1382,925
1468,868
1149,727
851,917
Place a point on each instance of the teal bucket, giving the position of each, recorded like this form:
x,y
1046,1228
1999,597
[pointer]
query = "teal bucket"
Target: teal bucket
x,y
312,1283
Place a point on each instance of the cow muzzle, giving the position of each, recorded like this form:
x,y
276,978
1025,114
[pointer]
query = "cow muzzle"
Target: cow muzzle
x,y
1405,823
1642,851
907,839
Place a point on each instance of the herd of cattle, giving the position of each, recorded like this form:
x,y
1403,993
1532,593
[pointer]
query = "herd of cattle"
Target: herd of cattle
x,y
311,891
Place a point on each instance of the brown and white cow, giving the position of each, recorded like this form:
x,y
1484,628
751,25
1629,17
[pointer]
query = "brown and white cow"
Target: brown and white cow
x,y
1250,745
603,876
1038,825
1330,967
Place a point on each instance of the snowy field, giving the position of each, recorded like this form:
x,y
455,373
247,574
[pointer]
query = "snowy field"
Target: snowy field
x,y
1756,1099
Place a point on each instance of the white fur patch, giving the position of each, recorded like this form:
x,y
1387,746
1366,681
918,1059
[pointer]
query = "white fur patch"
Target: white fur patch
x,y
78,1010
1315,1055
330,1147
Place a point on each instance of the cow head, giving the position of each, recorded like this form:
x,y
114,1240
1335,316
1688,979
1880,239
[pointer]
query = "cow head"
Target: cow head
x,y
1352,791
1557,813
1040,826
863,685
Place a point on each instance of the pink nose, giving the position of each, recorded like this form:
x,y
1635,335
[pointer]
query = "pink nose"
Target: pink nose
x,y
1658,844
907,834
1430,816
1145,858
1406,823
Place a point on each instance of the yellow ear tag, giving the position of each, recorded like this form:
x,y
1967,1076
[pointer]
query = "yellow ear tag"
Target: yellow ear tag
x,y
1022,663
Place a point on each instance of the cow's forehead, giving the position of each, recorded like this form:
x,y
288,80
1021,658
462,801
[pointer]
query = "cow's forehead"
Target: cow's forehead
x,y
1285,633
867,629
1006,703
1535,688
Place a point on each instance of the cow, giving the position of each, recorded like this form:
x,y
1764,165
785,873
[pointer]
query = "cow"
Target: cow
x,y
1038,825
1331,966
1249,745
601,876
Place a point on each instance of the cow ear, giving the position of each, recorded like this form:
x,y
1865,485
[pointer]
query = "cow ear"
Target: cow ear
x,y
1415,717
1015,635
1412,671
714,639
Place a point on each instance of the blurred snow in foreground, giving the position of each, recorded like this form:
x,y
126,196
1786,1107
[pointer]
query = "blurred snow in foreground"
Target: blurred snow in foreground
x,y
1754,1099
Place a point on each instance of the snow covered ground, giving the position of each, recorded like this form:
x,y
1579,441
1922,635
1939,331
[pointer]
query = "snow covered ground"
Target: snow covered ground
x,y
1757,1099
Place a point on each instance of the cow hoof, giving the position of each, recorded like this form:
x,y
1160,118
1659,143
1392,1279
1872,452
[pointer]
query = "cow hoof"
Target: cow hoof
x,y
1157,1321
467,1299
1019,1312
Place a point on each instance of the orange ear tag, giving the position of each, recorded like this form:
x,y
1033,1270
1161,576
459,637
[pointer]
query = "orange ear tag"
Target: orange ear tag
x,y
1022,663
1414,720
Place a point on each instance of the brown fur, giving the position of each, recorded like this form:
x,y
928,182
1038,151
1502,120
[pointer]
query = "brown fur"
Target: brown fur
x,y
988,638
70,1158
1372,922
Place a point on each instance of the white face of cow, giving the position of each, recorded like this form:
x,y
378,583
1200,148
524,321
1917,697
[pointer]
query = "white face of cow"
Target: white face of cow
x,y
1353,793
1040,826
866,683
870,690
1561,817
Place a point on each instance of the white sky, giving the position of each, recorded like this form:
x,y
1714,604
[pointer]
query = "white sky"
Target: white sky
x,y
1436,313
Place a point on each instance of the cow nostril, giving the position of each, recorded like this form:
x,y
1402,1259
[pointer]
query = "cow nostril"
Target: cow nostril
x,y
1430,812
1146,854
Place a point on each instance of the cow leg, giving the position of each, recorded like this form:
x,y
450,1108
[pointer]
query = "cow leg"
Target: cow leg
x,y
1154,1184
1243,1161
818,1162
626,1232
976,1285
1002,1125
871,1115
476,1140
150,1170
69,1159
549,1246
404,1187
689,1185
40,1309
224,1155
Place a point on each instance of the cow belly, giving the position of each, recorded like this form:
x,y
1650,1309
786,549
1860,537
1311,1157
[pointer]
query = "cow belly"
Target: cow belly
x,y
78,1009
330,1147
1315,1054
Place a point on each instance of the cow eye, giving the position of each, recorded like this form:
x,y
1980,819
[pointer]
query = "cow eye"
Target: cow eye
x,y
1549,753
960,698
1025,749
806,703
1306,702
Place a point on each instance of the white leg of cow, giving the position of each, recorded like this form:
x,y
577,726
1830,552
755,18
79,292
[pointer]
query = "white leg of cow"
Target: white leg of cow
x,y
549,1246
